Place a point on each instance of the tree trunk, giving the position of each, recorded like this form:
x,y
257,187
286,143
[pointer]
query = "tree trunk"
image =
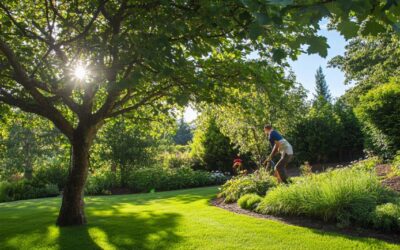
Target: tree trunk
x,y
72,207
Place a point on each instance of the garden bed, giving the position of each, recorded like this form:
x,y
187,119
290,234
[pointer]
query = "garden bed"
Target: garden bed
x,y
310,223
383,171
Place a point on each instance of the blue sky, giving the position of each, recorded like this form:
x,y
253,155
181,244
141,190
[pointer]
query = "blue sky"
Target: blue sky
x,y
306,66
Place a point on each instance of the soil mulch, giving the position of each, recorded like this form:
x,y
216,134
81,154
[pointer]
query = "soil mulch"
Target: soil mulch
x,y
311,223
383,169
393,182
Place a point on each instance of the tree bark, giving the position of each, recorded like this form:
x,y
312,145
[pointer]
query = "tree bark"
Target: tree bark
x,y
72,207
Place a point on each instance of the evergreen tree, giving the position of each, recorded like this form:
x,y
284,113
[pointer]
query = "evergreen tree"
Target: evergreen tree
x,y
183,134
321,87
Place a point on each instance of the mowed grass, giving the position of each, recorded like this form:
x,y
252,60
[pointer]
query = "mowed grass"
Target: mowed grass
x,y
166,220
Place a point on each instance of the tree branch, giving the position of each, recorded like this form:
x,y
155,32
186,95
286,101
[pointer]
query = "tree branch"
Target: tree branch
x,y
21,76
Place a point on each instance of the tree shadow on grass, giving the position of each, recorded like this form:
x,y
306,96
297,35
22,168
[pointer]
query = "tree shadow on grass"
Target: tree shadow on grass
x,y
133,231
111,226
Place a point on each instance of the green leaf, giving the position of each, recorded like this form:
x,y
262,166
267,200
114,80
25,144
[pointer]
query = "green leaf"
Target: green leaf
x,y
262,19
132,80
281,2
348,29
255,30
318,44
373,28
278,54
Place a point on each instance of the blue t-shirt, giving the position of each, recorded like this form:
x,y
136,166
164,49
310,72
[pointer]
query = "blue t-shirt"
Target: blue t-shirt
x,y
274,136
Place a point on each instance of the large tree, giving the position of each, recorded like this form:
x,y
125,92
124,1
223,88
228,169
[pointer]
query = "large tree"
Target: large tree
x,y
142,53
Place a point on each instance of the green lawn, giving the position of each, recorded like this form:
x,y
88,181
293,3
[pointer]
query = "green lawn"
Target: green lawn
x,y
167,220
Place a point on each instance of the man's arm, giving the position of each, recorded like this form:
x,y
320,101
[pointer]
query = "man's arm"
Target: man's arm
x,y
274,150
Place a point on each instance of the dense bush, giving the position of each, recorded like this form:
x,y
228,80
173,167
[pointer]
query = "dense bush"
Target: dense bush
x,y
177,157
379,111
211,149
20,190
387,217
345,196
158,178
328,133
50,174
101,183
249,201
257,183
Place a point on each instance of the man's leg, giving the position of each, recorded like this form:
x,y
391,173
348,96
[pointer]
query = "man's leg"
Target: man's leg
x,y
281,167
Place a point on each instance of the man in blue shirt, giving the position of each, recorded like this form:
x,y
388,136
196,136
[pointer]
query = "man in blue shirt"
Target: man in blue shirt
x,y
279,144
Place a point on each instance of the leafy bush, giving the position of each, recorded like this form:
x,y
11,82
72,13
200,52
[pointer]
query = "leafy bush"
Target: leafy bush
x,y
387,217
101,183
249,201
177,159
20,190
257,183
344,196
328,133
158,178
379,111
56,174
368,164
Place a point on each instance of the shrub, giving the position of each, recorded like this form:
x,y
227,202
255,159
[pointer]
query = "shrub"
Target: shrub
x,y
366,164
379,111
257,183
344,196
249,201
56,174
158,178
177,160
387,217
20,190
101,183
306,168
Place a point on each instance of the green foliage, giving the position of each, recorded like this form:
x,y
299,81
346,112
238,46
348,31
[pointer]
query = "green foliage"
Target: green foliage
x,y
249,201
259,183
127,143
314,137
160,179
183,134
280,102
322,92
28,143
24,189
345,196
370,62
210,147
387,217
176,156
379,109
368,164
328,133
102,183
56,174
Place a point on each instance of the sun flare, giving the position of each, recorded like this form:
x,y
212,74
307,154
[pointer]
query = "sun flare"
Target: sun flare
x,y
80,72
